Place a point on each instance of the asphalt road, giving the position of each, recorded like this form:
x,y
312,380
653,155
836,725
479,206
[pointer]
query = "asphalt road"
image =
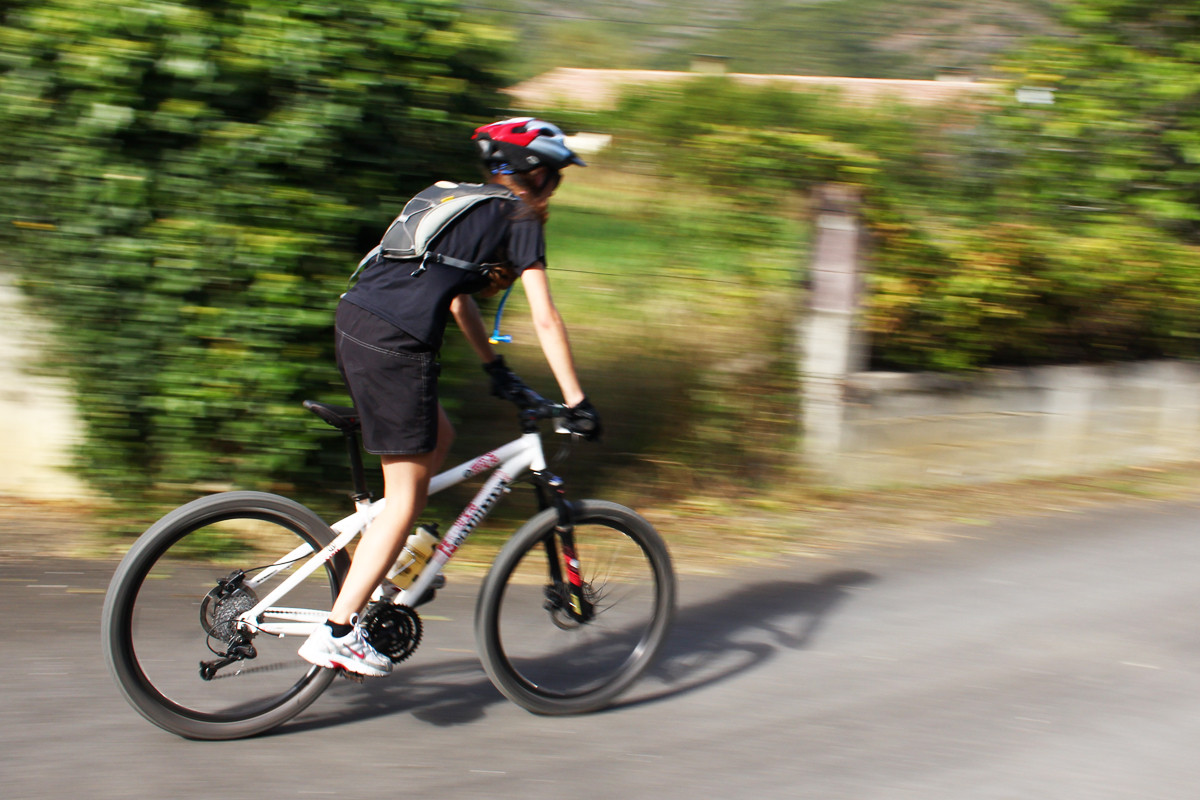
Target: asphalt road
x,y
1044,658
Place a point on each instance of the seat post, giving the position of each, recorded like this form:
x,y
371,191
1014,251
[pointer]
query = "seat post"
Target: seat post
x,y
346,420
361,492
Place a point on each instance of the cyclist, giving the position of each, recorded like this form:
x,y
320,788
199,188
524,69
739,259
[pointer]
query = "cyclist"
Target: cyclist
x,y
389,330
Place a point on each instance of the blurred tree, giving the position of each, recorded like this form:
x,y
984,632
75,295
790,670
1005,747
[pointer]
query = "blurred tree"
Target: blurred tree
x,y
1064,229
1122,133
187,186
1005,233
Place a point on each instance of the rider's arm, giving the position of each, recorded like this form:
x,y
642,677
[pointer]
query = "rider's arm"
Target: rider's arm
x,y
466,314
552,333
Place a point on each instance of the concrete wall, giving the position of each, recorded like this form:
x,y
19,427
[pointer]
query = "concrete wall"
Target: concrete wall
x,y
37,418
879,429
1004,424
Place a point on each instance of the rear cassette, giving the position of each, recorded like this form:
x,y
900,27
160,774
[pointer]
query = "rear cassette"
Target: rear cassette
x,y
221,607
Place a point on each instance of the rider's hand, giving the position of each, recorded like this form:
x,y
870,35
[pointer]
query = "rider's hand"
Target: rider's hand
x,y
584,420
505,383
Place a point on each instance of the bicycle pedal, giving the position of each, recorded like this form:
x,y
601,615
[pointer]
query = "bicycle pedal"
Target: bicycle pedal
x,y
352,676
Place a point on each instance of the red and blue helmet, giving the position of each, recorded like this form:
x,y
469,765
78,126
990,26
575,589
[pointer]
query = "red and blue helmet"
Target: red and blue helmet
x,y
522,144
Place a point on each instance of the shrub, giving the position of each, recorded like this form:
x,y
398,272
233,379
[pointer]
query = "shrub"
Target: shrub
x,y
188,186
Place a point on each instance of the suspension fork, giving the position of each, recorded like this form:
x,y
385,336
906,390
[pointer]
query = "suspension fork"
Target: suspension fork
x,y
561,555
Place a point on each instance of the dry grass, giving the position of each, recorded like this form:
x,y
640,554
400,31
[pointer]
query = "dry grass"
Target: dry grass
x,y
713,533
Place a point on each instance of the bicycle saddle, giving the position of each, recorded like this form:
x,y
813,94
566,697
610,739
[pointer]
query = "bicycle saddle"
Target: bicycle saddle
x,y
343,418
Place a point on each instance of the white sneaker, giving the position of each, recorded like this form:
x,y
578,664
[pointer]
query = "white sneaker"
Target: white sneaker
x,y
351,652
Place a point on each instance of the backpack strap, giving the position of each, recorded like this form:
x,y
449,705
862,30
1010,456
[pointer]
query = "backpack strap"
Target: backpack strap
x,y
365,260
438,258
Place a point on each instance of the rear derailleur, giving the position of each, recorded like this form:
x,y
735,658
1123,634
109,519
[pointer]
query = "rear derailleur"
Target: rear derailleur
x,y
219,613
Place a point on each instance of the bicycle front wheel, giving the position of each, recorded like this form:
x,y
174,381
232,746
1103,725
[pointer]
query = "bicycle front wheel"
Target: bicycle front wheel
x,y
550,661
170,616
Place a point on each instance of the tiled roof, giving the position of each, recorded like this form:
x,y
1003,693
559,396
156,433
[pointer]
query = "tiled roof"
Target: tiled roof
x,y
593,89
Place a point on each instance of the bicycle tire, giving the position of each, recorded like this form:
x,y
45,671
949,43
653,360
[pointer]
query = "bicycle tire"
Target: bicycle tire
x,y
155,637
545,663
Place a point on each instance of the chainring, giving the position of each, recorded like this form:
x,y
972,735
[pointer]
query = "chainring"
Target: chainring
x,y
393,630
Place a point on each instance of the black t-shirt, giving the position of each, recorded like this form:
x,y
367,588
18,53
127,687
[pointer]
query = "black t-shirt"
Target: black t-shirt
x,y
494,231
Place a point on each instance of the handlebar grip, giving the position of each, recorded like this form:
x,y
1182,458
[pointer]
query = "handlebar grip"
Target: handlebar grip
x,y
527,399
533,406
584,425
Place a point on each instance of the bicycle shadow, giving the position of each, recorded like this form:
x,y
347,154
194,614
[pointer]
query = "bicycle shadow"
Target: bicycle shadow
x,y
709,643
720,639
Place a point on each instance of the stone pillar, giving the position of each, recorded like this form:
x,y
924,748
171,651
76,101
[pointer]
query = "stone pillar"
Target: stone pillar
x,y
832,347
38,425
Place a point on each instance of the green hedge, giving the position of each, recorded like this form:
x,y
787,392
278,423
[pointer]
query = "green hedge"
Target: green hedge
x,y
1059,232
187,188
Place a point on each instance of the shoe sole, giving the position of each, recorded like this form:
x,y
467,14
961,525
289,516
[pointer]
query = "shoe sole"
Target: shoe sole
x,y
333,662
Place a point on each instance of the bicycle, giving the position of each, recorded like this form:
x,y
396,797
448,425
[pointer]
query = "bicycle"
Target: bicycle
x,y
573,610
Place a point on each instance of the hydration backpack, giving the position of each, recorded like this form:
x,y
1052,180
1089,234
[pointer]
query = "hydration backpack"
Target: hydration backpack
x,y
424,217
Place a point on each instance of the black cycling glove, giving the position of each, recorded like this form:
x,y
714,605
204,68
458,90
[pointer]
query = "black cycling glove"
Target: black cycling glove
x,y
505,383
584,420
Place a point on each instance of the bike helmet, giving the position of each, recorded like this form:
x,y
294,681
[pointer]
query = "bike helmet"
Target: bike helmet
x,y
522,144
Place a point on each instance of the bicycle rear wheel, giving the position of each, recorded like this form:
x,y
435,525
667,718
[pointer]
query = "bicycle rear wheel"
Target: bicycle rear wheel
x,y
172,604
544,658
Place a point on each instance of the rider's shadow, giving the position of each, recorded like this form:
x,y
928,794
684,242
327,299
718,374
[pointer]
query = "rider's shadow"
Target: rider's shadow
x,y
708,643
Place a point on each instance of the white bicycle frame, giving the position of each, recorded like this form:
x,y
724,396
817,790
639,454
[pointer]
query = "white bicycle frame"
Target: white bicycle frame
x,y
506,462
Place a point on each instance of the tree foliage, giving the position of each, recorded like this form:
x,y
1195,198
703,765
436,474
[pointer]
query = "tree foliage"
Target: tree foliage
x,y
1064,231
188,184
1003,232
1123,134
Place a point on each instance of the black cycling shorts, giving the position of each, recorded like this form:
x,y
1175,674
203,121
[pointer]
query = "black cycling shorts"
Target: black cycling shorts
x,y
392,378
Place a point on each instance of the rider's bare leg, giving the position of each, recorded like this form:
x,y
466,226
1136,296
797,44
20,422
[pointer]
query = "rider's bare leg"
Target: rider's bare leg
x,y
406,488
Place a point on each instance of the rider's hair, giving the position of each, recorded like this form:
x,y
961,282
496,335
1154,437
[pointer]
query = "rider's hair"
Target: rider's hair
x,y
499,278
534,188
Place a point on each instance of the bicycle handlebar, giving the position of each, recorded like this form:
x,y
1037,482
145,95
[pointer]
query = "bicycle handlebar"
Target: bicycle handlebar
x,y
534,408
581,421
534,405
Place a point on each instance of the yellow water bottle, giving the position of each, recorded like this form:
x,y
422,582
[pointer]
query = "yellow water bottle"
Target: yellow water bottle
x,y
415,554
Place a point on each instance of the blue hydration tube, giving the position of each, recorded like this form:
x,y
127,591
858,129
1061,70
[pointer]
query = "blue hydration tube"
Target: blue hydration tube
x,y
497,337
